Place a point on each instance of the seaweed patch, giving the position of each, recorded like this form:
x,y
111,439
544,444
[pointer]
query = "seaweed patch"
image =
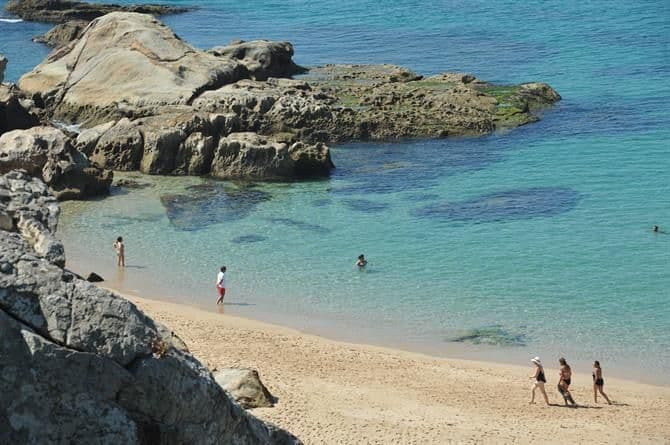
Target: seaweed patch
x,y
508,205
248,239
494,335
212,203
366,205
300,225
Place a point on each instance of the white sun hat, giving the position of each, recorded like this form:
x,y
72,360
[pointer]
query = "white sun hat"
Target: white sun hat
x,y
536,360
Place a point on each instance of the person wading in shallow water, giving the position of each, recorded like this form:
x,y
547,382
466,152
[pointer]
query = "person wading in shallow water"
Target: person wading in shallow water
x,y
221,284
565,378
361,262
120,252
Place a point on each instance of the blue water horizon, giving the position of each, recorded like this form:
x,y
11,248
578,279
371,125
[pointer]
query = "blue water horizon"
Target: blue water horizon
x,y
535,241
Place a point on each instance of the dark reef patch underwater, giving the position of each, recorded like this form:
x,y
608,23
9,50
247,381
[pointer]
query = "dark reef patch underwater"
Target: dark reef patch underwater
x,y
301,225
248,239
212,203
494,335
508,205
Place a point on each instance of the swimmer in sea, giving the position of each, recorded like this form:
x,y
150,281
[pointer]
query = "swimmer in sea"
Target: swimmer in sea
x,y
361,262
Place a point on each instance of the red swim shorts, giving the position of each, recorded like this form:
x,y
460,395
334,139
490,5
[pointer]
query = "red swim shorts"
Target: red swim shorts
x,y
222,291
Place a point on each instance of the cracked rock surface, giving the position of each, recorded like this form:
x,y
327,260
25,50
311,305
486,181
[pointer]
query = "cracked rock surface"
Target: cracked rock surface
x,y
80,364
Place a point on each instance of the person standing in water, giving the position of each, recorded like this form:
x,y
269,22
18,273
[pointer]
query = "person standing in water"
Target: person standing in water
x,y
565,378
598,383
221,284
361,262
540,380
120,252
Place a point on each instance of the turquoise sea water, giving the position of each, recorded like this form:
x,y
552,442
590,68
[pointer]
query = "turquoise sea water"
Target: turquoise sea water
x,y
533,242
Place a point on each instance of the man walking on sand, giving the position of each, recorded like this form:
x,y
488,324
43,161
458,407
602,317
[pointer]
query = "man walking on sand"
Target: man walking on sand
x,y
221,284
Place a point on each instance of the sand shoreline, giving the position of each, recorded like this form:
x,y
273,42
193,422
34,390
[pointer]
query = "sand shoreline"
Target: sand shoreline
x,y
336,392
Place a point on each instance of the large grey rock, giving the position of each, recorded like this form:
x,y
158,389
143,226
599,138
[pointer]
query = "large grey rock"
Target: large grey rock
x,y
275,106
125,64
249,155
60,11
82,365
245,386
118,147
262,58
46,152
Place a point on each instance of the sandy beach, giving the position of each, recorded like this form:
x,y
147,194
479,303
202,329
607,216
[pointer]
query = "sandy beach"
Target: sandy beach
x,y
339,393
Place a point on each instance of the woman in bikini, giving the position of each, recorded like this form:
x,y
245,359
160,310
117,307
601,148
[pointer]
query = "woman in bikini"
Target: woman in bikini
x,y
598,383
565,378
540,380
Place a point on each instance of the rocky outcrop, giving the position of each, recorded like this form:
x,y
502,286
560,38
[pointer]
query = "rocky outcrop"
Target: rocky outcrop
x,y
60,11
82,365
27,207
125,65
3,65
262,58
149,102
248,155
118,146
276,106
46,153
245,386
193,143
16,110
63,33
387,102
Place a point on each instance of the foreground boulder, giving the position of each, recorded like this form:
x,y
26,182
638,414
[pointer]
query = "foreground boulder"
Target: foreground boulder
x,y
60,11
46,152
245,386
82,365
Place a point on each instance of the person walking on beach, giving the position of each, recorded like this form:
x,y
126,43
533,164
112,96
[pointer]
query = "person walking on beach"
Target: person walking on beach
x,y
221,284
361,262
598,383
120,252
565,378
540,380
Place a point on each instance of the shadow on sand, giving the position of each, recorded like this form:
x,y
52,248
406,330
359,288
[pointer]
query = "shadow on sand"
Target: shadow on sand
x,y
575,406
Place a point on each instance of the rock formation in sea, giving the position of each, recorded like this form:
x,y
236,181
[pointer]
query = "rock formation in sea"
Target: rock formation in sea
x,y
60,11
46,153
262,58
3,66
148,101
83,365
63,33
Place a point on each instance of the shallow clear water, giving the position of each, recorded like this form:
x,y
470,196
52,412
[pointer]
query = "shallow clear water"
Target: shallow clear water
x,y
537,241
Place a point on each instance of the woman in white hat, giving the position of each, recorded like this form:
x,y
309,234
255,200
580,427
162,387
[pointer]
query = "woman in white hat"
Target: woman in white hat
x,y
540,380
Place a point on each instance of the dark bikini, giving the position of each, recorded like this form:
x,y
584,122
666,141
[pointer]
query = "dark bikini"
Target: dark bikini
x,y
598,382
540,377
